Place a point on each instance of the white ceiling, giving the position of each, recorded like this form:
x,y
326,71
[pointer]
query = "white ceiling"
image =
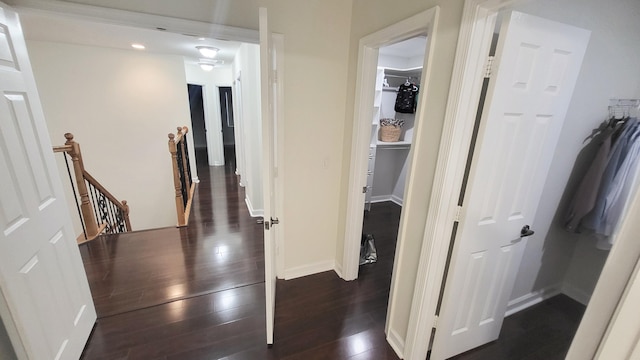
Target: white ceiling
x,y
408,48
46,27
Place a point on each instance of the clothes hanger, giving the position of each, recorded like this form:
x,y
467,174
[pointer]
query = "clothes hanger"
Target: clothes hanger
x,y
407,82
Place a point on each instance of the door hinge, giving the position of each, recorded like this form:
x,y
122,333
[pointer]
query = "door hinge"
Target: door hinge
x,y
489,67
458,214
435,321
365,189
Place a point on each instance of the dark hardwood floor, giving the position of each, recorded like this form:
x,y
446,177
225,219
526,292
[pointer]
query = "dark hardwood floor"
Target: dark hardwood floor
x,y
198,293
541,332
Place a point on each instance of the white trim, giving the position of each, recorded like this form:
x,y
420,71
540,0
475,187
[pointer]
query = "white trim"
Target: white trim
x,y
253,212
383,198
621,338
212,159
136,19
421,23
532,298
380,198
396,199
309,269
396,342
279,121
614,279
217,128
476,31
338,269
576,294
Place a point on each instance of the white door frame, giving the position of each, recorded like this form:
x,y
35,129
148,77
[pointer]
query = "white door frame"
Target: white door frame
x,y
217,118
476,31
419,24
213,152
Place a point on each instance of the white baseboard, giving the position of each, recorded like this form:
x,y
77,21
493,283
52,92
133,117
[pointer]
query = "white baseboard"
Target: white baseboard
x,y
531,299
309,269
253,212
217,163
383,198
396,342
338,269
380,198
576,294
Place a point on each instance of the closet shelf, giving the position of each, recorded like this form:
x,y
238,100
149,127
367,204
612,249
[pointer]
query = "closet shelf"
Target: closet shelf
x,y
393,145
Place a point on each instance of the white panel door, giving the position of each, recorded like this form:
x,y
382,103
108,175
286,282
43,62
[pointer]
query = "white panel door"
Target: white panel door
x,y
537,62
45,299
268,165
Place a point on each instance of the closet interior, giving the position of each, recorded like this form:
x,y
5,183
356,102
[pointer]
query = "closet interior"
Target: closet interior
x,y
399,67
397,89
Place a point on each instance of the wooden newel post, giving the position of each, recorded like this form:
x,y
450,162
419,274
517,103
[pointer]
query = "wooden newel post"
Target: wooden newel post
x,y
176,180
85,204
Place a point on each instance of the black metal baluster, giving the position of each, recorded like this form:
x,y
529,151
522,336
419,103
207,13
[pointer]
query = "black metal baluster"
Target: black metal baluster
x,y
94,199
186,154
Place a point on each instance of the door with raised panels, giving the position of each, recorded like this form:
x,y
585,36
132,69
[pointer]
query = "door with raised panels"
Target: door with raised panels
x,y
45,300
537,63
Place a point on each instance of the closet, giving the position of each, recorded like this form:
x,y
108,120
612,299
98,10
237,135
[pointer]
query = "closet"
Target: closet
x,y
398,65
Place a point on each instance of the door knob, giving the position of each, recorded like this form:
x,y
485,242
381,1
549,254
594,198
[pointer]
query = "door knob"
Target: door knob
x,y
526,231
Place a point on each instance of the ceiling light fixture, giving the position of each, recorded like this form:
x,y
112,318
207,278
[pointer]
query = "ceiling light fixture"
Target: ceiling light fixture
x,y
208,51
138,46
206,66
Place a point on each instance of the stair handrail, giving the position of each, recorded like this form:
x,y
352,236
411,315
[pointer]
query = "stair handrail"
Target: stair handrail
x,y
183,183
99,210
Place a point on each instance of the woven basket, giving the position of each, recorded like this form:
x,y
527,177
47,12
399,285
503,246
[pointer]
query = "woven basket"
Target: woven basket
x,y
390,133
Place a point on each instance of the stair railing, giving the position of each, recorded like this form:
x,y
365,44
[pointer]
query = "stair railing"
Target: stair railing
x,y
182,180
99,211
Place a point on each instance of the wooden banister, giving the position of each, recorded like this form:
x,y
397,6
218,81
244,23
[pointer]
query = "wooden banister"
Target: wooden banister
x,y
112,216
183,184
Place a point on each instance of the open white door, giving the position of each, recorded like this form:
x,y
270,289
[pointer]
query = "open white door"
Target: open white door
x,y
268,173
45,300
537,62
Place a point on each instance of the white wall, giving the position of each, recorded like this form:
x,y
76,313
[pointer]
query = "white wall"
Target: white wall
x,y
210,81
249,125
120,105
610,70
316,84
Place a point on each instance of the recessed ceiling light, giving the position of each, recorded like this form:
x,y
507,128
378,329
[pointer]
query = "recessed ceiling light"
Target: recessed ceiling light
x,y
208,51
137,46
201,39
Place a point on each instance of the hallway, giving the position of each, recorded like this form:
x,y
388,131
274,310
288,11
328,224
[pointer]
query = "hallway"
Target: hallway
x,y
198,292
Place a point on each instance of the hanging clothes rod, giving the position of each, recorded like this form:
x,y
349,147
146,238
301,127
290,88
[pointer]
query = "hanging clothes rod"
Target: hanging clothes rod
x,y
622,108
397,76
624,102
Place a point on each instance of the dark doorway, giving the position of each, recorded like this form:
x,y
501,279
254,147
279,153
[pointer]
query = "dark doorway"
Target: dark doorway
x,y
226,115
196,105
